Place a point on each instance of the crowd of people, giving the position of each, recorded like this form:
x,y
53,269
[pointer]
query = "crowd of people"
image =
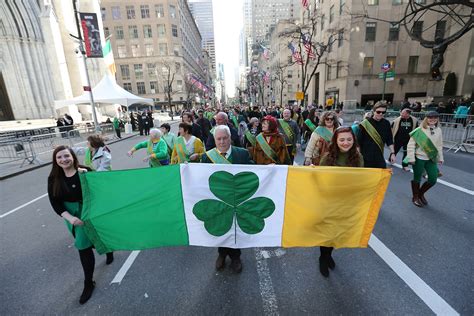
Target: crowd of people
x,y
253,136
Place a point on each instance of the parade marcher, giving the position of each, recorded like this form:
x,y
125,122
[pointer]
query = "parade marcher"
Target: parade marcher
x,y
310,124
222,119
224,153
133,121
97,155
253,129
374,133
196,128
425,151
187,146
169,137
205,125
140,123
146,123
270,147
116,124
401,129
318,144
65,196
290,130
342,152
156,148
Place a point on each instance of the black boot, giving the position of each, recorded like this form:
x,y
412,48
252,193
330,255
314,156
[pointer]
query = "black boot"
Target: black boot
x,y
415,188
324,266
87,292
425,187
110,257
331,263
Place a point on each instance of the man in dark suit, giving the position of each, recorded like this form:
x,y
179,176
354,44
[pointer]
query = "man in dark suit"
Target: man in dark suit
x,y
196,131
224,153
222,119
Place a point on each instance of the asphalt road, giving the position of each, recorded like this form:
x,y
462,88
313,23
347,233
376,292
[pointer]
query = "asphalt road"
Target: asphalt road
x,y
423,264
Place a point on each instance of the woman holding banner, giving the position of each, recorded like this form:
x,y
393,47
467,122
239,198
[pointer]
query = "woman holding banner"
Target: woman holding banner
x,y
187,148
342,152
321,137
425,151
270,146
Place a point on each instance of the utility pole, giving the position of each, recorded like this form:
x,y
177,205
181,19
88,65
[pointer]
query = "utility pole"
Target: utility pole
x,y
384,82
83,52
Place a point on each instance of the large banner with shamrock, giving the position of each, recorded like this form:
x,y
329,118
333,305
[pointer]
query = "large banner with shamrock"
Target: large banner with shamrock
x,y
237,206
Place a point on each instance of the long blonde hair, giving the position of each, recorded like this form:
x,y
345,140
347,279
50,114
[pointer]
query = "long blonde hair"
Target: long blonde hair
x,y
425,124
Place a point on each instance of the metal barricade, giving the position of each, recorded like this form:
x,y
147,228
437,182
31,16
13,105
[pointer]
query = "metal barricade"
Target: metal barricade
x,y
467,139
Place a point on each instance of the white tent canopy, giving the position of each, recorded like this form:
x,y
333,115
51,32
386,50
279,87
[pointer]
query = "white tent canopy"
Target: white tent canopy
x,y
106,91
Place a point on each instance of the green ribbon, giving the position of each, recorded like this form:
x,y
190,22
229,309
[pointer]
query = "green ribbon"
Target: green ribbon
x,y
373,133
266,148
88,159
425,143
215,157
251,138
154,162
286,129
181,149
310,124
324,133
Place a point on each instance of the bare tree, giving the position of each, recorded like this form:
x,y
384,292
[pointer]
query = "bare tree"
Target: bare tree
x,y
191,90
280,77
167,76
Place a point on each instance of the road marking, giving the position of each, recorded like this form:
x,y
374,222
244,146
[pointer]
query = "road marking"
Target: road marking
x,y
270,305
435,302
446,183
127,264
22,206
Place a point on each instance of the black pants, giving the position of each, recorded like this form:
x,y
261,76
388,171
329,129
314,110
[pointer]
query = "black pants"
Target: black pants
x,y
88,263
234,254
290,153
398,146
375,164
117,131
326,251
146,128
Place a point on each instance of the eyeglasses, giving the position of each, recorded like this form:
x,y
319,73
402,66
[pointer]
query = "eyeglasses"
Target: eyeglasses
x,y
329,119
380,112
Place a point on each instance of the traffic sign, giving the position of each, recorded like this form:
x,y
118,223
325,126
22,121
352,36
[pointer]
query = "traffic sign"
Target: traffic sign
x,y
299,95
389,74
385,67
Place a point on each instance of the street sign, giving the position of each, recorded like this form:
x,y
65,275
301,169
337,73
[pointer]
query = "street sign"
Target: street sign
x,y
389,74
390,79
385,67
299,95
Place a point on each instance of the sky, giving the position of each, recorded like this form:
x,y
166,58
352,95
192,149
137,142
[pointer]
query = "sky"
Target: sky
x,y
228,22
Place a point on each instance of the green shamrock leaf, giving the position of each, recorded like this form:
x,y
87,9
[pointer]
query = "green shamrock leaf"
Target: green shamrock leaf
x,y
234,193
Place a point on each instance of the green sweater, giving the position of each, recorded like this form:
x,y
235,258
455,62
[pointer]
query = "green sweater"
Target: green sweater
x,y
160,151
341,160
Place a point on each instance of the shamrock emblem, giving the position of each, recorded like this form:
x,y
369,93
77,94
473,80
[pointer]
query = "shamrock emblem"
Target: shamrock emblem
x,y
234,193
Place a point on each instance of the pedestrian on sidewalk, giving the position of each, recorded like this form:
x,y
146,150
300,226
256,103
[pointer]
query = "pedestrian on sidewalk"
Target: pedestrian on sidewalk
x,y
117,127
425,151
65,196
401,129
342,152
156,148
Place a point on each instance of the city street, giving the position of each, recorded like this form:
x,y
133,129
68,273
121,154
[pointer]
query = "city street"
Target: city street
x,y
418,261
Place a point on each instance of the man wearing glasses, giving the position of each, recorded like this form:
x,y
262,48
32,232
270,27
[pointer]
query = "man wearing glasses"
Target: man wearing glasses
x,y
374,133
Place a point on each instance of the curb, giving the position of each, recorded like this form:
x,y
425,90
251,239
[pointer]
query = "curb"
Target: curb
x,y
11,175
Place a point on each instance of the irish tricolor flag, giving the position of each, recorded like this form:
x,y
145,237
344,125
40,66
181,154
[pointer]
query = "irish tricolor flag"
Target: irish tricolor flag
x,y
109,57
236,206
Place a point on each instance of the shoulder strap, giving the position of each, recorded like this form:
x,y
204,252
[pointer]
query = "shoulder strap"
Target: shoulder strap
x,y
373,133
217,158
266,148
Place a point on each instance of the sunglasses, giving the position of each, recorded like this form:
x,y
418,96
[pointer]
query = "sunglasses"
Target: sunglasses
x,y
329,119
380,112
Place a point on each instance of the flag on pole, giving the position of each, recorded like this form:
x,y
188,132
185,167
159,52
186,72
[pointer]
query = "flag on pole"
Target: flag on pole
x,y
307,45
109,57
237,206
305,4
266,52
295,53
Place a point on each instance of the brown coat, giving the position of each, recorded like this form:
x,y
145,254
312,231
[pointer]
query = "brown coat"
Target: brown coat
x,y
277,143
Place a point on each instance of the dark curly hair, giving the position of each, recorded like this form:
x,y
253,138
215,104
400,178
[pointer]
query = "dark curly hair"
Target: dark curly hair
x,y
333,151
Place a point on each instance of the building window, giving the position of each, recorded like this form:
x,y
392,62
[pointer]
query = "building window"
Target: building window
x,y
103,12
141,88
125,71
174,30
133,31
179,85
161,30
116,13
396,2
330,42
151,70
127,86
340,38
159,11
417,29
392,60
119,32
138,71
331,14
394,31
413,65
147,33
368,65
370,30
440,30
341,6
145,11
290,60
153,87
163,49
172,11
122,51
339,69
130,12
373,2
289,73
290,88
135,50
176,50
149,50
322,22
177,67
106,31
329,72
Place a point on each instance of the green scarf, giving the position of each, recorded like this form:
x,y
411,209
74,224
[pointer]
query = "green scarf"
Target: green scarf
x,y
216,157
286,129
373,133
425,143
310,124
266,148
324,133
181,149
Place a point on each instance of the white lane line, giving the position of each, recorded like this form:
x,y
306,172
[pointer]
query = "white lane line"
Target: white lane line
x,y
23,205
446,183
435,302
270,305
127,264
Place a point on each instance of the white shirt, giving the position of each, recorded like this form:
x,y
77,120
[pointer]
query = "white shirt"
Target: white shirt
x,y
190,144
227,154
